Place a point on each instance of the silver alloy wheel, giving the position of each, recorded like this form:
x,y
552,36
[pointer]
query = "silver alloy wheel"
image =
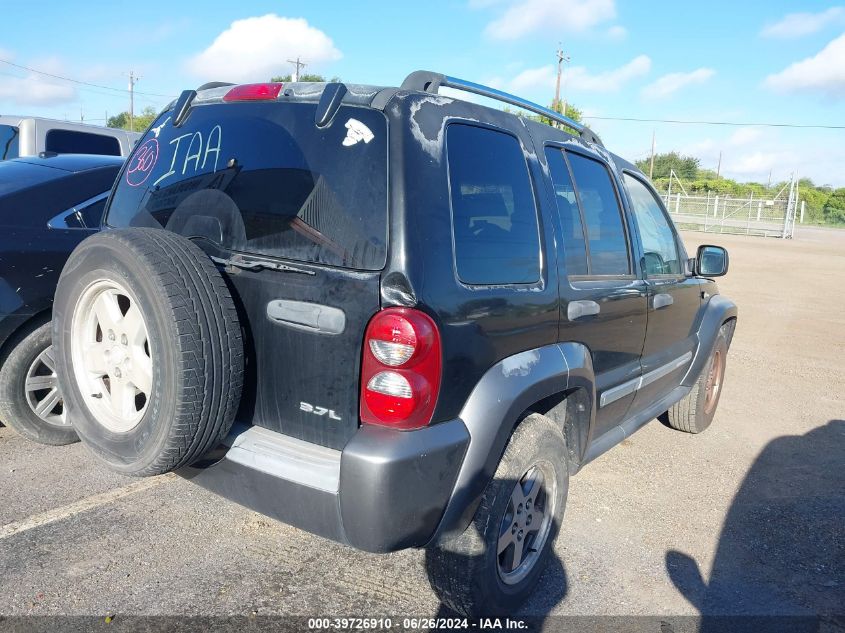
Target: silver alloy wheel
x,y
111,355
527,523
42,390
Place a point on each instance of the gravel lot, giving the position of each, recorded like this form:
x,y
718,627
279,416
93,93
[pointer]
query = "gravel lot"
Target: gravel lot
x,y
748,518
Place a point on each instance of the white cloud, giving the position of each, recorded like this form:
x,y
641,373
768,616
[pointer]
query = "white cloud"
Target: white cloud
x,y
254,49
745,136
824,72
799,24
523,17
578,78
617,32
531,78
33,89
668,85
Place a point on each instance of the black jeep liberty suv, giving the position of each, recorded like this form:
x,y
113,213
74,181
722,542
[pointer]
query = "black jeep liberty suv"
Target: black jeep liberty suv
x,y
387,316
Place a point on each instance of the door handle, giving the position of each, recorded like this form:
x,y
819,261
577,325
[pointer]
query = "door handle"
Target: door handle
x,y
578,309
662,300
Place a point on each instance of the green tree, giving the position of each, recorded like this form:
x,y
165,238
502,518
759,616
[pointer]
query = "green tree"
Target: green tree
x,y
571,111
141,122
815,198
834,208
686,167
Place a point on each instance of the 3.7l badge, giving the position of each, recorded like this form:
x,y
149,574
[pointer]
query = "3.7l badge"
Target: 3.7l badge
x,y
310,408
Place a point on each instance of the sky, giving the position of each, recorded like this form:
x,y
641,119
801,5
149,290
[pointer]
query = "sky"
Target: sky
x,y
734,62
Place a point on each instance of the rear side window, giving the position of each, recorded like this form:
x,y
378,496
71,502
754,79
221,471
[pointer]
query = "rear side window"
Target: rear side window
x,y
574,246
493,211
263,179
73,142
660,251
8,142
608,247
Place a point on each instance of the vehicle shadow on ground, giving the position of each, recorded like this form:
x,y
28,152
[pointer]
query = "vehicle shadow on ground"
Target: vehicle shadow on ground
x,y
782,547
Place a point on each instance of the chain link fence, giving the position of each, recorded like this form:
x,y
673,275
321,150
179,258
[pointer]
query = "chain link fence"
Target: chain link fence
x,y
715,214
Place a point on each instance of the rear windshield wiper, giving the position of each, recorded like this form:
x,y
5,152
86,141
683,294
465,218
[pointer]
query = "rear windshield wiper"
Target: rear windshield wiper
x,y
251,263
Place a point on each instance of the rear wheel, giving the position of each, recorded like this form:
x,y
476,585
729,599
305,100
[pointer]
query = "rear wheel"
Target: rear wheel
x,y
148,348
30,400
695,412
494,565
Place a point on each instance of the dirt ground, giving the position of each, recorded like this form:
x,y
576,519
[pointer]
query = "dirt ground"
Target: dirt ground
x,y
747,518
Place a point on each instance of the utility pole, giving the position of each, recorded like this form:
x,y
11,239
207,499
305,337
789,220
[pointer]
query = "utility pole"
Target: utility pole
x,y
651,163
132,81
561,58
719,166
297,64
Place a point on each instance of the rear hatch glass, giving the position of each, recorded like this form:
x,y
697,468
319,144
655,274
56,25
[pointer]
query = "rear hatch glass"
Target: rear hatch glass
x,y
262,178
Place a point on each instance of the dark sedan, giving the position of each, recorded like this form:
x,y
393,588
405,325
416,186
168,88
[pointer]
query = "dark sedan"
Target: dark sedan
x,y
48,204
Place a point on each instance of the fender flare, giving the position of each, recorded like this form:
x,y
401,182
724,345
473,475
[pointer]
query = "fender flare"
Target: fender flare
x,y
493,409
718,310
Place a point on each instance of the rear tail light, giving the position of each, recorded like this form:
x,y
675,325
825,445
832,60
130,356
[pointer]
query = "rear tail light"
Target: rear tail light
x,y
400,372
254,92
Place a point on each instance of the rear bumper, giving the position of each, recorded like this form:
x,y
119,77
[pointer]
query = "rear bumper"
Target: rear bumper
x,y
385,491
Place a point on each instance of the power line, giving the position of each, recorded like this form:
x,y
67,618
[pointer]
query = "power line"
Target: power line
x,y
82,83
730,123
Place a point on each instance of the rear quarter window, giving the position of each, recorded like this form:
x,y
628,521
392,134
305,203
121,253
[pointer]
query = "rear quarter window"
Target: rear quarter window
x,y
494,216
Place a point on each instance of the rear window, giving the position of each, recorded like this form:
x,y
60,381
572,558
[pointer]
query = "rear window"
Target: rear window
x,y
262,178
8,142
73,142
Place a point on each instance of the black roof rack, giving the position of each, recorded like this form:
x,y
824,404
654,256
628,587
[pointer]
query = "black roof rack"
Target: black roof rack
x,y
427,81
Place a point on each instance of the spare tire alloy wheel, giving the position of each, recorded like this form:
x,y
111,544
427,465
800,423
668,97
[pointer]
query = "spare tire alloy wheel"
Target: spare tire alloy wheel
x,y
111,355
148,349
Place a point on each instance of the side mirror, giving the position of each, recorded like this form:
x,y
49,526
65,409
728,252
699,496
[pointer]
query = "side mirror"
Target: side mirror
x,y
711,261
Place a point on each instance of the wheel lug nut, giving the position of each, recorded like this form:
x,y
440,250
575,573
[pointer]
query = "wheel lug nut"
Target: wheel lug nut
x,y
117,372
124,340
111,335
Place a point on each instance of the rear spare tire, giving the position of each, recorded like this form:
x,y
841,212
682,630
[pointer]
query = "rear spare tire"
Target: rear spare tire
x,y
148,349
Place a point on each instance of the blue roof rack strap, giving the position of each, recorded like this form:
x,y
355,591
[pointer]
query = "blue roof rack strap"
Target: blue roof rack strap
x,y
426,81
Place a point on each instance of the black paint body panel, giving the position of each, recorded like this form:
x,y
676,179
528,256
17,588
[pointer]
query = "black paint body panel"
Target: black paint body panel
x,y
31,254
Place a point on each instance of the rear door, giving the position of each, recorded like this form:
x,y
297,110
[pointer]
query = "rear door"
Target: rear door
x,y
603,301
296,216
674,298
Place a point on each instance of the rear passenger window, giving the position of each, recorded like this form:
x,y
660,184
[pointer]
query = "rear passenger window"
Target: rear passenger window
x,y
608,247
72,142
493,212
575,251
